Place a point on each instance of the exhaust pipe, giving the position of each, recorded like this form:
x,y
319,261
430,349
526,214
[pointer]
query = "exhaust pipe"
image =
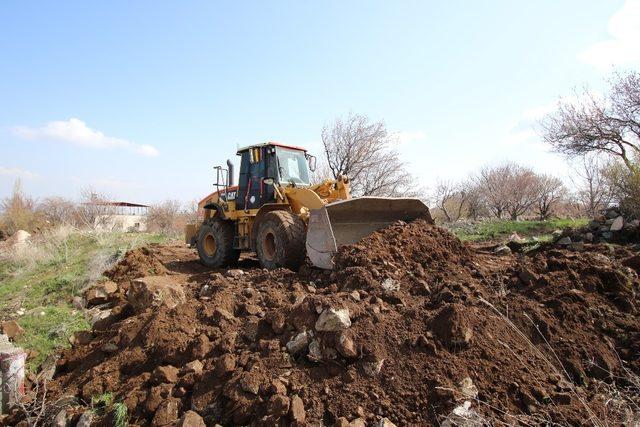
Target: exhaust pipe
x,y
231,176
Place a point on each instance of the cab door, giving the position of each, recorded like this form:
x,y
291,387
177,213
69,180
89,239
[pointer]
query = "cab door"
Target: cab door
x,y
254,168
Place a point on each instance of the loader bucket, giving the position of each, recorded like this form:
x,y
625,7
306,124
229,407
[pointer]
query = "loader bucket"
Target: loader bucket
x,y
346,222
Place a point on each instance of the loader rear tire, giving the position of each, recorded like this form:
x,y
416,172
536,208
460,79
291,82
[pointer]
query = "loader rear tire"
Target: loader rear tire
x,y
280,241
215,244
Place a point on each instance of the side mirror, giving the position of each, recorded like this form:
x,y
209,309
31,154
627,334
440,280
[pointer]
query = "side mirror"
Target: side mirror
x,y
268,181
311,160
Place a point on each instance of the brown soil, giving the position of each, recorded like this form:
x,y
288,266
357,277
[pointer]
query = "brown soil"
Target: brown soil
x,y
550,336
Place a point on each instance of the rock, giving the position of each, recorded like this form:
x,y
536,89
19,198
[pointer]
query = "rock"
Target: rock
x,y
164,374
611,213
195,367
588,237
277,321
502,250
576,246
190,419
528,277
607,235
61,419
79,303
332,320
86,419
155,291
556,235
12,329
277,387
390,285
373,367
451,325
516,238
345,345
167,413
278,405
385,422
617,224
225,364
220,313
299,342
100,317
297,414
17,240
463,416
83,337
564,241
355,295
249,383
468,388
235,273
315,353
109,347
633,225
96,296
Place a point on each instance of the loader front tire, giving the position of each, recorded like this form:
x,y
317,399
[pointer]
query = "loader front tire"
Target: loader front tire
x,y
215,244
280,241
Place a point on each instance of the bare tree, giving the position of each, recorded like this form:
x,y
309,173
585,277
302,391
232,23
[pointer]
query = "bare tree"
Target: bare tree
x,y
521,189
363,151
57,211
93,210
18,212
551,191
591,124
476,205
162,217
450,198
490,182
593,192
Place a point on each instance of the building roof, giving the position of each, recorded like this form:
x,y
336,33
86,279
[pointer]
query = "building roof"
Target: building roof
x,y
277,144
123,204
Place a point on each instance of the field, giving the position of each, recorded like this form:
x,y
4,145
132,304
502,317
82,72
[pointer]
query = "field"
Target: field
x,y
40,281
501,229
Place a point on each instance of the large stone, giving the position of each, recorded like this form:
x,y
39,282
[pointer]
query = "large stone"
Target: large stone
x,y
96,296
167,413
12,329
164,374
86,419
297,414
346,346
617,224
190,419
299,342
385,422
564,241
468,388
463,416
155,291
452,326
278,405
502,250
333,320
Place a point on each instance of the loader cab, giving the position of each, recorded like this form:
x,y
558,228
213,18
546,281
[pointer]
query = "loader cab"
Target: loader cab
x,y
265,164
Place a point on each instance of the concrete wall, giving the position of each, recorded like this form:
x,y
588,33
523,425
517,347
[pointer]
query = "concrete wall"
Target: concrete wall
x,y
121,223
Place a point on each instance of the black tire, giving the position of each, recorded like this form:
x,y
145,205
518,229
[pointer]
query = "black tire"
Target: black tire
x,y
215,244
280,241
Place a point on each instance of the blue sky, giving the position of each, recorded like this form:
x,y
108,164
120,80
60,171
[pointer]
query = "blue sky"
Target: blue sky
x,y
139,100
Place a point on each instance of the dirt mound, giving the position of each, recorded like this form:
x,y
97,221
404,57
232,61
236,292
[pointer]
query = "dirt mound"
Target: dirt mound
x,y
412,325
135,264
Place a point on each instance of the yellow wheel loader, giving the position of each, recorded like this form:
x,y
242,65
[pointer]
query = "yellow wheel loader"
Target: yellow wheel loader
x,y
276,212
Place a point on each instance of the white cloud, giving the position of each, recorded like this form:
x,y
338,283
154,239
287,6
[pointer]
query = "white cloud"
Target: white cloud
x,y
407,137
623,48
17,172
75,131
